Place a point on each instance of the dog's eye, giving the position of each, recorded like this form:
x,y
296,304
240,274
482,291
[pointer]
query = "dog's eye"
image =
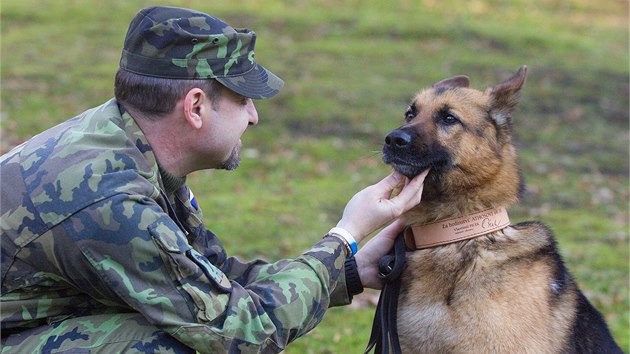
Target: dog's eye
x,y
450,119
410,114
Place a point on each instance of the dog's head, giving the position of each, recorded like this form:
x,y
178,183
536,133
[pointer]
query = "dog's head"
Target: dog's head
x,y
463,135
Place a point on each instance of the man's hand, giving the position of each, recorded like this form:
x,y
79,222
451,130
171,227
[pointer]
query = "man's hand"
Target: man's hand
x,y
369,255
374,206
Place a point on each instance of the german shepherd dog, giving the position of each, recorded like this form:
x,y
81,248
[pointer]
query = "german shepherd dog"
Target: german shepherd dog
x,y
506,291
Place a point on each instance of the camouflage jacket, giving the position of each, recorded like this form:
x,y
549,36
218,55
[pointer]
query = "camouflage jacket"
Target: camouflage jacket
x,y
90,225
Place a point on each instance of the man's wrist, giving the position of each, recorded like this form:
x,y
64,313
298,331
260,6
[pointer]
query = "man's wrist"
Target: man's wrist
x,y
348,239
357,234
346,246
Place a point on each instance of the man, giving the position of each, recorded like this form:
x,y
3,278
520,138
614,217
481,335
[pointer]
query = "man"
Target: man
x,y
103,247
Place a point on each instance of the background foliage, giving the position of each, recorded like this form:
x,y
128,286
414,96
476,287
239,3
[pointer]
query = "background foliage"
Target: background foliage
x,y
350,68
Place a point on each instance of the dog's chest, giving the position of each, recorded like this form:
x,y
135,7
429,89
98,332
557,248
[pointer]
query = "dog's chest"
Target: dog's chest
x,y
457,300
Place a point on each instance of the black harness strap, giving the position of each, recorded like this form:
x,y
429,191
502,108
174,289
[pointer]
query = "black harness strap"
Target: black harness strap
x,y
384,334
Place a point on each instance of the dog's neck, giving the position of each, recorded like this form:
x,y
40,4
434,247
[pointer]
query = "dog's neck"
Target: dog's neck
x,y
441,219
420,236
441,201
436,207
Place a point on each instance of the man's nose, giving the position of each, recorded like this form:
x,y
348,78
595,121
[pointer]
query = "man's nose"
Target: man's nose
x,y
253,114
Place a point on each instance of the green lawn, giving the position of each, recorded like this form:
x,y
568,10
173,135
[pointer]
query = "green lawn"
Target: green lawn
x,y
350,68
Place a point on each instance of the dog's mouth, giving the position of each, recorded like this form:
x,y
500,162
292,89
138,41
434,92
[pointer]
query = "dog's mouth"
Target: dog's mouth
x,y
409,170
411,166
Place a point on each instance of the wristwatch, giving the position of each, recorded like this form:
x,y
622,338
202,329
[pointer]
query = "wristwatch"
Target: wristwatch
x,y
353,281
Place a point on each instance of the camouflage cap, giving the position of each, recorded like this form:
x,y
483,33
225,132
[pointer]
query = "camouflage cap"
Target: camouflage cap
x,y
178,43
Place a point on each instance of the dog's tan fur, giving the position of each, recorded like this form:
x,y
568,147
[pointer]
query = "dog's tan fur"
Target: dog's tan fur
x,y
506,292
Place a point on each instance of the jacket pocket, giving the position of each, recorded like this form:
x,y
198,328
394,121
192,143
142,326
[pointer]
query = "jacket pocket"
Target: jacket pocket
x,y
184,262
204,283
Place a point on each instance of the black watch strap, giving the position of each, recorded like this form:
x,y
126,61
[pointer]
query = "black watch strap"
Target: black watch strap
x,y
353,281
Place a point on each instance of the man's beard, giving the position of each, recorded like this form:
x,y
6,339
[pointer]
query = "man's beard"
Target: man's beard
x,y
233,161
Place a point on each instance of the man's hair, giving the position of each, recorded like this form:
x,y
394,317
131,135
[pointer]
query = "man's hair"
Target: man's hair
x,y
155,97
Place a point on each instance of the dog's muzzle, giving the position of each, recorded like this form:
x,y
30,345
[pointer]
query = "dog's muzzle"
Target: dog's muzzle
x,y
398,153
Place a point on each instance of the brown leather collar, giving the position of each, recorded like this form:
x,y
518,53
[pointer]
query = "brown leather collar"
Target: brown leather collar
x,y
458,229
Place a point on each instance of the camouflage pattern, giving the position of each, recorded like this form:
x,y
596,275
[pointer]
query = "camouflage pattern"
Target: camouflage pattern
x,y
179,43
91,226
107,334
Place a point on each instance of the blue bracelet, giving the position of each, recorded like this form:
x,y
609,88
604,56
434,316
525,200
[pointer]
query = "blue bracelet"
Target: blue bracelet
x,y
347,236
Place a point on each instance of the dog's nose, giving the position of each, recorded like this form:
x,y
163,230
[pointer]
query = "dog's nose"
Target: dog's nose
x,y
398,138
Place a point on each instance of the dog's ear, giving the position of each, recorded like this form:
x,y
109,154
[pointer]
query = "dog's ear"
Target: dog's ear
x,y
453,82
504,96
503,99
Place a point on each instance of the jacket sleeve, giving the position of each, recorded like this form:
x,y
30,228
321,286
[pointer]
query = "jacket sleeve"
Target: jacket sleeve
x,y
137,256
246,272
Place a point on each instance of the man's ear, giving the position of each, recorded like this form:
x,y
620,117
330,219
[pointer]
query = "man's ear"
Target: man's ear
x,y
194,106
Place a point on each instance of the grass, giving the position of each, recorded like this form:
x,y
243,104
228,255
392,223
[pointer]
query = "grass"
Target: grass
x,y
350,68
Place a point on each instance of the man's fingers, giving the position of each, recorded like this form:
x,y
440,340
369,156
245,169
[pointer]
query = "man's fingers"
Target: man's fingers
x,y
390,182
392,230
412,191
